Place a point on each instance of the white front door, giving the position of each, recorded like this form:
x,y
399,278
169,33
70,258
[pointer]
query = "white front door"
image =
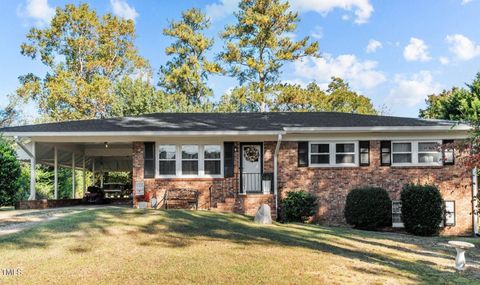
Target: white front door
x,y
251,168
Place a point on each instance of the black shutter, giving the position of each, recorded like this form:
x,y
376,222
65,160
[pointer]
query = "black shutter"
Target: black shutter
x,y
302,154
364,153
385,153
228,159
448,155
149,160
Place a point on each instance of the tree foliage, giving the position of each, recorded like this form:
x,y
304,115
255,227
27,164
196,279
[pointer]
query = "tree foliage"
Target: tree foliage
x,y
339,97
184,75
85,55
257,46
459,104
9,175
298,206
137,97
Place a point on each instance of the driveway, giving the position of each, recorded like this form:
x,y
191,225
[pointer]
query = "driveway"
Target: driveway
x,y
17,220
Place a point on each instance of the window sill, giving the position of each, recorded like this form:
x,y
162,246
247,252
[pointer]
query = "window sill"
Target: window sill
x,y
333,165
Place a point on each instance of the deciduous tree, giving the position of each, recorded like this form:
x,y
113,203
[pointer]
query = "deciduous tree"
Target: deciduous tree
x,y
85,55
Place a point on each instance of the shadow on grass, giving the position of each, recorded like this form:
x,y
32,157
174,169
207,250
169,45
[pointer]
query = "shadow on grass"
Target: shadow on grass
x,y
181,229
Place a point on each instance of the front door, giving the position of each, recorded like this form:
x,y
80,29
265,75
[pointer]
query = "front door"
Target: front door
x,y
251,168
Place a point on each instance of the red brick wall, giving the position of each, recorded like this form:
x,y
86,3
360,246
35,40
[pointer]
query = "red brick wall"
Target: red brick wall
x,y
221,187
331,185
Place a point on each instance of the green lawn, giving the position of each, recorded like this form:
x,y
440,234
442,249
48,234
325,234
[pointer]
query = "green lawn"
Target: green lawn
x,y
128,246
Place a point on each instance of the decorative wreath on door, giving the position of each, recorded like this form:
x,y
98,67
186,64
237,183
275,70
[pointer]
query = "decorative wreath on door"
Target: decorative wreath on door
x,y
251,154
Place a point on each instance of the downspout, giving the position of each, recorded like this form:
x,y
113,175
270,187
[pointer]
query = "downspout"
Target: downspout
x,y
475,201
275,171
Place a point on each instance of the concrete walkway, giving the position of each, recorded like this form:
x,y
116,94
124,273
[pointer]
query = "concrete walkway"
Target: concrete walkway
x,y
17,220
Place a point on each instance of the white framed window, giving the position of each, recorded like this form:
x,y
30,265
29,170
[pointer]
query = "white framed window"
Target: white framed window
x,y
189,160
416,153
167,159
333,154
212,159
401,152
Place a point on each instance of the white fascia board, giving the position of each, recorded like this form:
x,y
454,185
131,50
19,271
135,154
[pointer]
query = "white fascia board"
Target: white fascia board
x,y
140,133
293,130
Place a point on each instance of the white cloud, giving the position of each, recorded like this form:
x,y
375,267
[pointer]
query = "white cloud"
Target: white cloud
x,y
465,2
373,45
123,10
361,8
444,60
38,10
463,47
222,9
317,32
414,89
361,74
416,50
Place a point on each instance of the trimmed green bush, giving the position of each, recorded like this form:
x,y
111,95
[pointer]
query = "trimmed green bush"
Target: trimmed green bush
x,y
298,206
422,209
9,175
368,208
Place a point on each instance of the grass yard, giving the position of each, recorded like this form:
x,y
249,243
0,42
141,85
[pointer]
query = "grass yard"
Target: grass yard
x,y
128,246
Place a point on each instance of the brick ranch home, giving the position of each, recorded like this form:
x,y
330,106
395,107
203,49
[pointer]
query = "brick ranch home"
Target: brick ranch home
x,y
238,161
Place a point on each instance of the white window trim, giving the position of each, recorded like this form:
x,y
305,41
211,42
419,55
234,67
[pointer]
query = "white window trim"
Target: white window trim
x,y
178,161
415,153
332,154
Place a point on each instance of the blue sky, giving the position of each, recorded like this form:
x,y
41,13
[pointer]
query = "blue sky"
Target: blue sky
x,y
395,52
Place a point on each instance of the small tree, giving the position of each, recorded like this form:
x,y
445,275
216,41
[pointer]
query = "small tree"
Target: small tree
x,y
422,209
368,208
298,206
9,175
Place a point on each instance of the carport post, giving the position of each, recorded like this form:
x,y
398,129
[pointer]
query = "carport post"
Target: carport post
x,y
33,162
93,171
84,178
73,175
55,171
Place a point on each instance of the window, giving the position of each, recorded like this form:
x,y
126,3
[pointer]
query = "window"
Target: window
x,y
402,153
190,159
167,160
212,160
320,154
416,153
333,154
345,153
386,153
428,152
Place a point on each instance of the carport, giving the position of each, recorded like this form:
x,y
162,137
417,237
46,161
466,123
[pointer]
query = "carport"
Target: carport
x,y
87,156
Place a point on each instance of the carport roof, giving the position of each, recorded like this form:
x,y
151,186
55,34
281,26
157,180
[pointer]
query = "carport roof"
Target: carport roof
x,y
205,122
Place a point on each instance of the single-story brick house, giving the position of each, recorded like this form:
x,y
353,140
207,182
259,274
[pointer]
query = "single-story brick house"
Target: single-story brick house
x,y
238,161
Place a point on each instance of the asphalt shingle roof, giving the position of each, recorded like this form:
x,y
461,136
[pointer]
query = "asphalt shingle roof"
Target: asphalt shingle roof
x,y
227,122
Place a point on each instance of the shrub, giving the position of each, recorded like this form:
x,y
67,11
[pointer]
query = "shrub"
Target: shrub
x,y
298,206
422,209
9,175
368,208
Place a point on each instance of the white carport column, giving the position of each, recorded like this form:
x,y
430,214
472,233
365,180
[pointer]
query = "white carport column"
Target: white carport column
x,y
73,175
55,171
84,177
33,162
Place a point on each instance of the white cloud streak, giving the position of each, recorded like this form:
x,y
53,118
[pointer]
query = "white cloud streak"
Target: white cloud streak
x,y
122,9
373,46
38,10
416,50
413,90
463,47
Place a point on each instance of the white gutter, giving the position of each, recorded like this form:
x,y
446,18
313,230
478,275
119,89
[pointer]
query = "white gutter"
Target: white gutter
x,y
475,201
376,129
275,171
